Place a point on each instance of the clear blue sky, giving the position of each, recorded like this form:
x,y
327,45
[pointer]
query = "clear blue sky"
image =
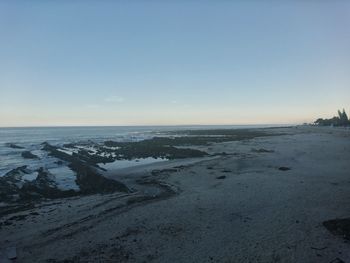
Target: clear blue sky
x,y
172,62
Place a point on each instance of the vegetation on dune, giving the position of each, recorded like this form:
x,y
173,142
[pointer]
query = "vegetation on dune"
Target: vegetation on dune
x,y
340,120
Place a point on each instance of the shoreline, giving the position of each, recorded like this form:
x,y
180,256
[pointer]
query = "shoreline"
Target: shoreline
x,y
49,171
239,207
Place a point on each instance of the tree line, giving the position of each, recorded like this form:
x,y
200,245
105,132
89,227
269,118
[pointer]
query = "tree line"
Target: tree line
x,y
340,120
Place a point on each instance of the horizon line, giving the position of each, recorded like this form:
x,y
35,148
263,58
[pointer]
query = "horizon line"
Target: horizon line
x,y
148,125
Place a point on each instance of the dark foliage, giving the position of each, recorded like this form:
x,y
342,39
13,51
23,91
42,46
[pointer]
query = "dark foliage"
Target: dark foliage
x,y
340,120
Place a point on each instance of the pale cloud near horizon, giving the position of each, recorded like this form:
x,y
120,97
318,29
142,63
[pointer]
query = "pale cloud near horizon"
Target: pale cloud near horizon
x,y
116,99
111,99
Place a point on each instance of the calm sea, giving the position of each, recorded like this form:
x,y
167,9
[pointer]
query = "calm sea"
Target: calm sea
x,y
71,134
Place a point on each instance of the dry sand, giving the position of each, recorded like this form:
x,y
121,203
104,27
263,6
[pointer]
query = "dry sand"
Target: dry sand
x,y
238,207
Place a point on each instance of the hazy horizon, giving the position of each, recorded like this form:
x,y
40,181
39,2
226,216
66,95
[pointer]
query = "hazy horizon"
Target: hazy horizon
x,y
93,63
174,125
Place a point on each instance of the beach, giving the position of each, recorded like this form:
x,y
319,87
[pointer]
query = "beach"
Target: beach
x,y
261,199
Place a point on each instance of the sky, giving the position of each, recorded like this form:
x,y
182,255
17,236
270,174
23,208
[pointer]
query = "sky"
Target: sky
x,y
172,62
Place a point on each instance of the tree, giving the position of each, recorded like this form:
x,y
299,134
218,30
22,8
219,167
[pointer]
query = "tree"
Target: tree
x,y
340,120
343,118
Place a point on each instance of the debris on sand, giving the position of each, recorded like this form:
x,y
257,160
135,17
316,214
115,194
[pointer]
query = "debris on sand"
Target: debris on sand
x,y
319,248
339,227
337,260
12,253
262,150
283,168
221,177
8,254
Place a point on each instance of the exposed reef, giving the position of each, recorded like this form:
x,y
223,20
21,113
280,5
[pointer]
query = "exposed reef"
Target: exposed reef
x,y
29,155
89,179
13,146
82,162
21,184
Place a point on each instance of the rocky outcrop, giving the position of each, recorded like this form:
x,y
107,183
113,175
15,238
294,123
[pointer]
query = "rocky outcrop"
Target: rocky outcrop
x,y
13,146
29,155
14,187
88,177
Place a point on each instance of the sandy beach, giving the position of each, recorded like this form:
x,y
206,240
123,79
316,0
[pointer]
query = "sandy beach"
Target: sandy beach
x,y
264,200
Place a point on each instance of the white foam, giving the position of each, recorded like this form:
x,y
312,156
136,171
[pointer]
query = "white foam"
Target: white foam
x,y
111,147
120,164
65,151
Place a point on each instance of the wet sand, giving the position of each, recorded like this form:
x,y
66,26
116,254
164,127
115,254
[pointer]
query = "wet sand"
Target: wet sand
x,y
265,200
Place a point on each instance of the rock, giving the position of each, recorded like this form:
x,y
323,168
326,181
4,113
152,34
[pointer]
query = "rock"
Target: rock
x,y
13,146
20,169
221,177
8,191
11,183
29,155
88,178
